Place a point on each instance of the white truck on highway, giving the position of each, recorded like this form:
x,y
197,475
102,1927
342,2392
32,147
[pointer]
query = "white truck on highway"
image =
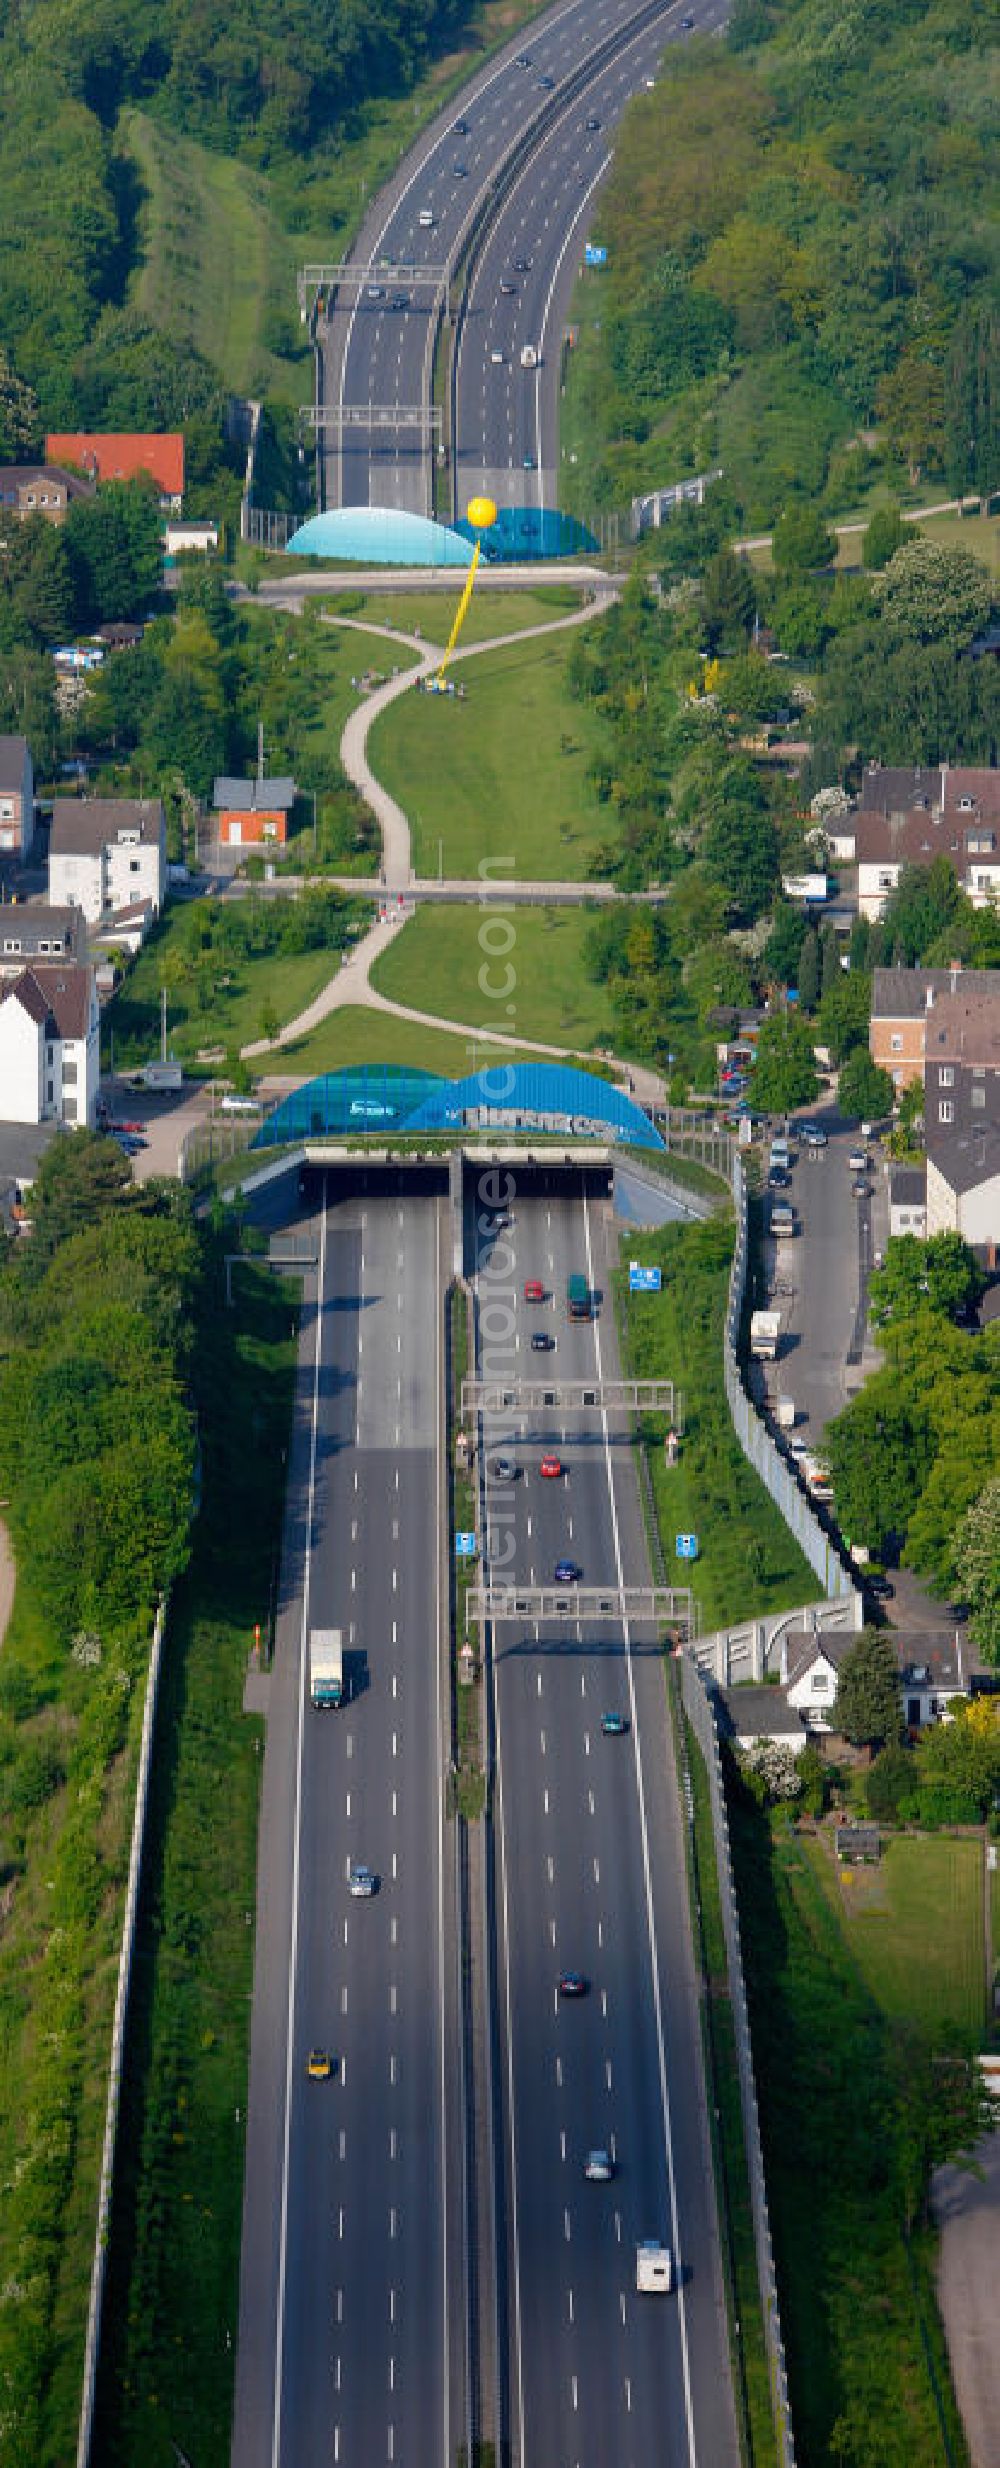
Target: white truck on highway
x,y
326,1666
654,2268
530,355
765,1331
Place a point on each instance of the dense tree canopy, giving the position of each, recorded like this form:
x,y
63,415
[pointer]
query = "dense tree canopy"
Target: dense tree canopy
x,y
869,1704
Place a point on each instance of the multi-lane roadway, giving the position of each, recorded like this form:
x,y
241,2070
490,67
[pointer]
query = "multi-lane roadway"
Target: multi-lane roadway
x,y
346,2329
567,81
591,1879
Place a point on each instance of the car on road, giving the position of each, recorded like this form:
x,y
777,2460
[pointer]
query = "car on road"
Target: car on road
x,y
522,265
593,121
529,463
566,1572
875,1582
376,291
460,171
573,1983
542,1343
362,1882
319,2065
551,1467
778,1179
813,1134
509,290
400,300
614,1726
534,1291
687,24
858,1161
496,358
460,128
859,1188
504,1470
523,60
545,84
598,2167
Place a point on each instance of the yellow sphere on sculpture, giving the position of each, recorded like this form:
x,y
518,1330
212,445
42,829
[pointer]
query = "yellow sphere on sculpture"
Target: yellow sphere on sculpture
x,y
480,512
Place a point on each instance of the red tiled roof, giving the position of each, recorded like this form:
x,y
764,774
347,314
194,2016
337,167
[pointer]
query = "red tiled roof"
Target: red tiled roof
x,y
120,458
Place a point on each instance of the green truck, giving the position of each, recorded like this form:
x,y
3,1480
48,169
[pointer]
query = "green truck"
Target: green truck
x,y
578,1299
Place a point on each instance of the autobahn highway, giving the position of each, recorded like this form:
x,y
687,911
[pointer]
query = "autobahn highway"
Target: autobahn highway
x,y
378,341
590,1858
345,2324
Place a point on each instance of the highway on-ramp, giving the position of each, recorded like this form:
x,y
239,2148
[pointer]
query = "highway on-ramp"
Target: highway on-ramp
x,y
591,1878
346,2319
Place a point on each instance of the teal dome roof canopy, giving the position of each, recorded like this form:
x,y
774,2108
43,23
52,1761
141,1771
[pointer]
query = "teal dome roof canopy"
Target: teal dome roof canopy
x,y
379,536
387,1097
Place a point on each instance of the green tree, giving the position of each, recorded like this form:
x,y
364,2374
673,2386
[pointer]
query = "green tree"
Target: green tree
x,y
924,904
977,1567
941,1275
741,843
801,541
885,534
864,1091
880,1451
19,417
889,1778
929,594
784,1072
964,1754
869,1703
808,981
784,943
729,600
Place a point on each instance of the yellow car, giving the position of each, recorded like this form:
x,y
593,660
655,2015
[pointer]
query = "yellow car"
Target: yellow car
x,y
320,2065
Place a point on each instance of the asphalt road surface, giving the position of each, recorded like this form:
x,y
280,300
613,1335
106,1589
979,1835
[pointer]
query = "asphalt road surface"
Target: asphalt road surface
x,y
377,344
345,2322
819,1280
590,1864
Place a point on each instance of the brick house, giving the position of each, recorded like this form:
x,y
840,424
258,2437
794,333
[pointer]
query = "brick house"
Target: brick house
x,y
910,816
49,1045
903,1001
248,812
107,854
107,456
17,798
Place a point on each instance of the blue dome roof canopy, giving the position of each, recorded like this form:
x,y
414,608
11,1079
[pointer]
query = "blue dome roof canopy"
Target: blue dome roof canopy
x,y
524,534
552,1098
379,536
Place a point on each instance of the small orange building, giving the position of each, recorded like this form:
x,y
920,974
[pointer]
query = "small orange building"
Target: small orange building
x,y
104,456
248,812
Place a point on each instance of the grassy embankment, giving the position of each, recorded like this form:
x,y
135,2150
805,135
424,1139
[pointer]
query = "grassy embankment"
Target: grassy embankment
x,y
356,1035
502,777
173,2271
747,1559
217,269
856,1984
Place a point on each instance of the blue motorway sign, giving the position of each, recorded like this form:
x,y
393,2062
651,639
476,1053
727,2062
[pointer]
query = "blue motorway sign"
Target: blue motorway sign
x,y
465,1546
593,255
686,1546
642,1280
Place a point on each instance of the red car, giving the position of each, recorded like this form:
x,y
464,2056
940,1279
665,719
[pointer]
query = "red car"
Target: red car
x,y
551,1466
534,1291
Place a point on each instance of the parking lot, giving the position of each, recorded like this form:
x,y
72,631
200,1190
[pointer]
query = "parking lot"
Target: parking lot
x,y
818,1276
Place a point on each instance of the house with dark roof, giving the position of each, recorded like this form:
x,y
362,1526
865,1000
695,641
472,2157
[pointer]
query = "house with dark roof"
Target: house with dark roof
x,y
17,799
248,812
909,816
40,488
903,1000
107,854
123,455
34,931
748,1716
810,1673
49,1045
908,1201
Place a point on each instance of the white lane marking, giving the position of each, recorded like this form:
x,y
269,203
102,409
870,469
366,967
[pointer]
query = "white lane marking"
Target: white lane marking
x,y
393,1927
340,2305
350,1744
597,1872
600,1932
392,2219
566,2226
394,1803
395,1639
336,2373
392,2069
541,1736
392,1997
395,1743
343,2144
354,1580
394,1683
347,1811
562,2144
590,1797
392,2305
394,1867
392,2142
604,2004
355,1478
586,1743
551,1869
354,1529
552,1932
343,1998
628,2394
395,1529
545,1801
290,2017
607,2072
569,2297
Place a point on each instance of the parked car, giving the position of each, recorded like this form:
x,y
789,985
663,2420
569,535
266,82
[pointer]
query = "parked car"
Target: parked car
x,y
858,1161
813,1134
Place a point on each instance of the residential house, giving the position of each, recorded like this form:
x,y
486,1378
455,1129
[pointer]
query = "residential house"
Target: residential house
x,y
908,1201
248,812
935,1679
810,1672
748,1716
910,816
17,798
49,1045
962,1115
902,1002
963,1191
40,488
107,854
37,932
103,456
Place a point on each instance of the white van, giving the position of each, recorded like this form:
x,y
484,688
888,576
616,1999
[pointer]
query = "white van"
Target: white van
x,y
781,1154
232,1104
425,218
654,2268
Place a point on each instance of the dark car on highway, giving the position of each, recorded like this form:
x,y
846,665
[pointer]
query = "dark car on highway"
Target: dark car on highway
x,y
566,1572
542,1343
573,1984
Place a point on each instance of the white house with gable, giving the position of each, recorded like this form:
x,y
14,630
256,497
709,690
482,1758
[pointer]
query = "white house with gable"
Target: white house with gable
x,y
106,854
50,1046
